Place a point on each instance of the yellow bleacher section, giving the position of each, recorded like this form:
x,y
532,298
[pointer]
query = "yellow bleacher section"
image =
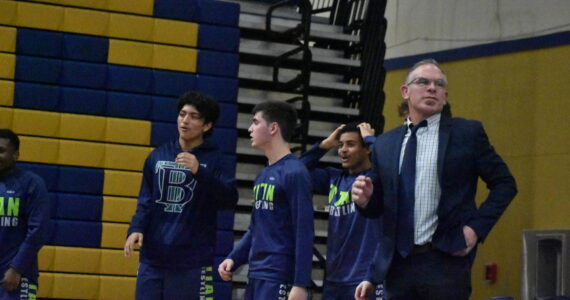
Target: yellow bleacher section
x,y
7,65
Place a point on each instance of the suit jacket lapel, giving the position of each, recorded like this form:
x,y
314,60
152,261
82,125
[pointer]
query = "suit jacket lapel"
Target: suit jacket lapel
x,y
444,132
395,149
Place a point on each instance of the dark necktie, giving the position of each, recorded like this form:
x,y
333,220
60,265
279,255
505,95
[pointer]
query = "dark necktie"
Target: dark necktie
x,y
406,191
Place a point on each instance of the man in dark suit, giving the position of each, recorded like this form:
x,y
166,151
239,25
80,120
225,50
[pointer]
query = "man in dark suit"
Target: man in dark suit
x,y
423,183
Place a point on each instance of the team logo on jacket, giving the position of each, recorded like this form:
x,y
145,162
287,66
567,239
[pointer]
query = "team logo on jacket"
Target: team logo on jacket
x,y
9,211
176,185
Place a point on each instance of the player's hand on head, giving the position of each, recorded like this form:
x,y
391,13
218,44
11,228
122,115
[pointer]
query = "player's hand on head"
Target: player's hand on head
x,y
366,129
11,279
364,290
134,238
362,189
188,160
225,269
298,293
332,140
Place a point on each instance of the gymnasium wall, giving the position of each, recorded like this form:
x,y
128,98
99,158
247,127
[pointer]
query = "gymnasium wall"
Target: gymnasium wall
x,y
519,90
91,88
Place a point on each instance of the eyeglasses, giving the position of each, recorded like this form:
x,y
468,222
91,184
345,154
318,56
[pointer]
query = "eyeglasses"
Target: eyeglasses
x,y
424,82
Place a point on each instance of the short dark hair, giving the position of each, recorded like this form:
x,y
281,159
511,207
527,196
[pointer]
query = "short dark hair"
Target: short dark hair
x,y
352,127
207,107
280,112
12,137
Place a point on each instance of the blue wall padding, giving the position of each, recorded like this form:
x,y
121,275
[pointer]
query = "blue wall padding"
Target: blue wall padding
x,y
38,43
225,220
81,180
222,289
218,37
228,115
226,139
87,48
218,63
218,12
84,74
76,233
125,105
129,79
162,133
37,69
78,207
220,88
171,83
163,109
83,101
185,10
224,242
36,96
49,173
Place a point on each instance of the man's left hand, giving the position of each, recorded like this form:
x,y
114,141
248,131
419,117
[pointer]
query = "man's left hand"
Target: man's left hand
x,y
298,293
11,280
189,161
470,240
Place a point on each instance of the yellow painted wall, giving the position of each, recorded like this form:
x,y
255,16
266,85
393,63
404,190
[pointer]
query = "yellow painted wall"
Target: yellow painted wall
x,y
522,99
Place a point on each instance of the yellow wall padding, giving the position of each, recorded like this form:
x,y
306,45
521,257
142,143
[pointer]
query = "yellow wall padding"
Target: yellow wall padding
x,y
8,39
169,31
174,58
8,12
6,93
113,235
40,150
94,4
100,23
85,21
152,56
118,209
40,16
114,262
82,127
46,258
45,285
35,122
130,53
131,27
84,154
7,66
128,131
77,260
6,116
142,7
125,157
121,183
69,286
75,126
117,288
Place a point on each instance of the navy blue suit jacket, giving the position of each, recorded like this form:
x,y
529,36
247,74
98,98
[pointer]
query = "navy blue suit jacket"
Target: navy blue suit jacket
x,y
464,155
